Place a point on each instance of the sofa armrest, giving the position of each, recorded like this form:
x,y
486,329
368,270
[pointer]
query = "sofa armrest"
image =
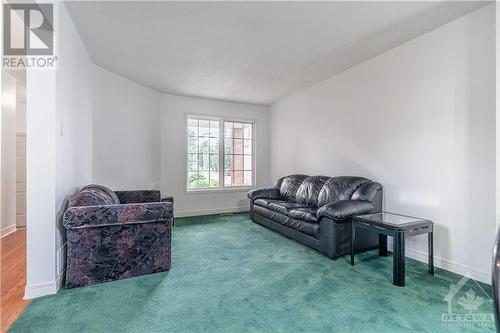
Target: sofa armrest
x,y
344,209
111,215
264,193
128,197
367,192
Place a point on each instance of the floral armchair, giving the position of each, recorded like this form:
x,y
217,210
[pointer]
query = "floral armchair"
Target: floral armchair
x,y
116,235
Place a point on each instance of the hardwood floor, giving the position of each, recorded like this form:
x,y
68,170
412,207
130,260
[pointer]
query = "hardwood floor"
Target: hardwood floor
x,y
12,277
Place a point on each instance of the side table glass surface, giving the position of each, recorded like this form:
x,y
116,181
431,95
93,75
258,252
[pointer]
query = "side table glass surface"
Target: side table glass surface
x,y
391,219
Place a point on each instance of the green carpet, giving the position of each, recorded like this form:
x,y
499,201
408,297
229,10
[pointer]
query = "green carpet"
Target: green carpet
x,y
231,275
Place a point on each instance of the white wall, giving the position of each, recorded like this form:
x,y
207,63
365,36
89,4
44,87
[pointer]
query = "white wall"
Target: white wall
x,y
420,119
174,109
21,149
497,12
126,133
21,118
8,155
40,183
59,113
73,119
139,139
21,102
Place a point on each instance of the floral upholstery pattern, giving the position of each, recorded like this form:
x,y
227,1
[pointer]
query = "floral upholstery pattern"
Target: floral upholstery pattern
x,y
108,242
90,197
87,216
168,198
112,195
138,196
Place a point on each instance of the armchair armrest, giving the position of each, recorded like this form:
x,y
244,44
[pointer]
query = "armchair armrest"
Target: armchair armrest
x,y
168,198
128,197
110,215
344,209
264,193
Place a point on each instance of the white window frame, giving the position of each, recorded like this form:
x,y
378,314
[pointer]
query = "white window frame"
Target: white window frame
x,y
222,187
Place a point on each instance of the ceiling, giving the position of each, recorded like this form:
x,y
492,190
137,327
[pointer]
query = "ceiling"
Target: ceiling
x,y
251,52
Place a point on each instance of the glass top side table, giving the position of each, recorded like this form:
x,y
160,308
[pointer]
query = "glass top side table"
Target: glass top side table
x,y
399,227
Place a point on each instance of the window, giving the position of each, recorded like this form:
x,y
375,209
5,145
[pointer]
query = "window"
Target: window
x,y
238,166
212,165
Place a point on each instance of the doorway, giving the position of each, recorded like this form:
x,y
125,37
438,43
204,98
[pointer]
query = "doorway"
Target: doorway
x,y
13,197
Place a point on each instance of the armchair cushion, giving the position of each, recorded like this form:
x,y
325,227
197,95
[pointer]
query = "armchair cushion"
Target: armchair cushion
x,y
106,215
127,197
344,209
264,193
112,195
90,197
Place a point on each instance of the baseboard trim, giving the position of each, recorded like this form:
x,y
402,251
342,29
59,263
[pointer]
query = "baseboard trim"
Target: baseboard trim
x,y
7,230
452,266
41,289
212,211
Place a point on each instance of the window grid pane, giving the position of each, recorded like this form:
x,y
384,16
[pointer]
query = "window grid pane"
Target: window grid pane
x,y
204,128
203,154
238,158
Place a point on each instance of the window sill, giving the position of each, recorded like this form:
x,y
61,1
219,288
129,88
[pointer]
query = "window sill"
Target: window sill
x,y
225,190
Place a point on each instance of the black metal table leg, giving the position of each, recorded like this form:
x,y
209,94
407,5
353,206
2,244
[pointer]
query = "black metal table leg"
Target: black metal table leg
x,y
382,245
353,240
398,254
430,249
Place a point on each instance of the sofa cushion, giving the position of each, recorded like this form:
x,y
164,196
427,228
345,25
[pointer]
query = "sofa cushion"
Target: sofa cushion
x,y
289,186
308,191
89,197
283,206
309,228
112,195
267,213
339,188
306,214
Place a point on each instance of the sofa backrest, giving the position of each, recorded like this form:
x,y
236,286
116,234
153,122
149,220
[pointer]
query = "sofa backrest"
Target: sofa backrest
x,y
309,190
92,195
289,185
321,190
340,188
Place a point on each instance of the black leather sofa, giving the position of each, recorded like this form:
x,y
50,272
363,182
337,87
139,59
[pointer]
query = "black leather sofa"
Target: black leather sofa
x,y
317,210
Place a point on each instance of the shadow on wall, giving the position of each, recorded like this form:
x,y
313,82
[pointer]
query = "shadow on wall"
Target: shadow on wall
x,y
61,252
355,170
